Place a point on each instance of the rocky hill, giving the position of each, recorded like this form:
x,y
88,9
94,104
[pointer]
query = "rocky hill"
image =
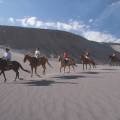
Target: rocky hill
x,y
52,42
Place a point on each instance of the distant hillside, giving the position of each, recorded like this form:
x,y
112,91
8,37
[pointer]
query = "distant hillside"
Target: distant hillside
x,y
52,42
115,46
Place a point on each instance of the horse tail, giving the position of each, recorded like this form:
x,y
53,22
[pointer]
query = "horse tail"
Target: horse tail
x,y
23,68
49,63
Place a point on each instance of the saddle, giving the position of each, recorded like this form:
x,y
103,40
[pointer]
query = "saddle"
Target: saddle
x,y
9,65
36,61
66,61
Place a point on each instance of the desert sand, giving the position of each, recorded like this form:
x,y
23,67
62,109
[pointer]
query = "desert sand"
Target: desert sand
x,y
78,95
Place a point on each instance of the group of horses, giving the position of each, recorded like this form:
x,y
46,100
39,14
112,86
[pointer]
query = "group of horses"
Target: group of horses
x,y
42,61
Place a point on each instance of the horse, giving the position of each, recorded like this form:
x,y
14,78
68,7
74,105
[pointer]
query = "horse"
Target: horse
x,y
35,62
88,61
114,60
71,62
10,65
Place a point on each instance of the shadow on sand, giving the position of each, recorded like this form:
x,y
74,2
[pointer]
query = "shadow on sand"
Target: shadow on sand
x,y
43,82
109,69
70,77
90,72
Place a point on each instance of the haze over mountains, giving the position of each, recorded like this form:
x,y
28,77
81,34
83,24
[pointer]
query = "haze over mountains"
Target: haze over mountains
x,y
52,42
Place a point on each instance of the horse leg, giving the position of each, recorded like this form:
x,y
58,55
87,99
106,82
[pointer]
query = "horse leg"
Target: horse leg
x,y
86,66
73,68
2,72
60,68
36,70
64,68
90,66
44,68
83,66
17,74
31,71
69,69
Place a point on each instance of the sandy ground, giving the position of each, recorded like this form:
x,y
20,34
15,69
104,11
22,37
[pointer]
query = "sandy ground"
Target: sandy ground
x,y
80,95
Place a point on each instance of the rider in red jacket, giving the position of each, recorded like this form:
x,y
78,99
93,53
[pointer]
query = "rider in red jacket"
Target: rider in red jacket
x,y
66,56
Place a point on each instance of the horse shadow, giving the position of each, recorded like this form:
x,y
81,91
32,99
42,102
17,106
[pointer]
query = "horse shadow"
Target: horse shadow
x,y
68,77
90,72
110,69
43,82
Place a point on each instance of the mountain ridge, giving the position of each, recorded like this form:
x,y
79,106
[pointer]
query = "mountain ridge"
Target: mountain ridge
x,y
53,42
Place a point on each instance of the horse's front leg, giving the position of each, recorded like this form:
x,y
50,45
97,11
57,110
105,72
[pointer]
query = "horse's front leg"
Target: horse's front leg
x,y
60,68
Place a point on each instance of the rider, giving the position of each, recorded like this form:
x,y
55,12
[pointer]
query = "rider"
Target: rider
x,y
114,54
66,56
7,55
37,53
87,55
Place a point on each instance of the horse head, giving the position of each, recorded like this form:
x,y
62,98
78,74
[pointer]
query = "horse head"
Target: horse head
x,y
26,57
59,58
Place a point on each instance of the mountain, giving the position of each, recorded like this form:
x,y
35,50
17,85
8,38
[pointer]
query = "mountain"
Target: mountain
x,y
52,42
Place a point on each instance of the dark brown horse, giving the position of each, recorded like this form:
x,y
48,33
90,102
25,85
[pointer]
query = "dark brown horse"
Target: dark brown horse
x,y
10,65
87,61
35,62
71,62
114,60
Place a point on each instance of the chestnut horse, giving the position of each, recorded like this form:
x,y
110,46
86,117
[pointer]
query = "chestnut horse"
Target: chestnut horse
x,y
71,62
35,62
87,61
10,65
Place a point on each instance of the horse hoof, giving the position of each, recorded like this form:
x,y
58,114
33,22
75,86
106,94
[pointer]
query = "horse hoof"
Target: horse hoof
x,y
21,78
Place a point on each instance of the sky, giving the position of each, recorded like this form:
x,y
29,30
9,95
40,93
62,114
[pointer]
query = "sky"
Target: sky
x,y
96,20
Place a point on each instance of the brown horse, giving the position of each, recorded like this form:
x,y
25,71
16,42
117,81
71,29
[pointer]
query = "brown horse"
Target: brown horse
x,y
10,65
87,61
35,62
71,62
114,60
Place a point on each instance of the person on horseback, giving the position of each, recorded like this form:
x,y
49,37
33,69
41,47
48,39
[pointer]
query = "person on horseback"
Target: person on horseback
x,y
37,53
114,54
66,57
7,55
87,55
